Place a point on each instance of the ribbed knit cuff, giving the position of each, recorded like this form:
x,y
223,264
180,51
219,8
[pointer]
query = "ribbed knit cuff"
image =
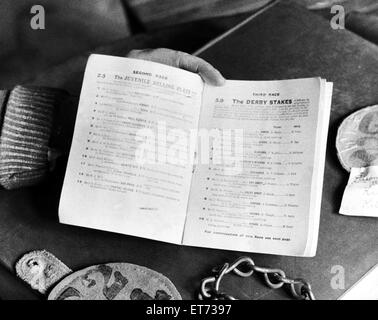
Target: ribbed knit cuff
x,y
25,134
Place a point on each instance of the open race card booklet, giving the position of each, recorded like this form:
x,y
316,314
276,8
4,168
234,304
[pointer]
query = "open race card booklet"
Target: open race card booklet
x,y
159,154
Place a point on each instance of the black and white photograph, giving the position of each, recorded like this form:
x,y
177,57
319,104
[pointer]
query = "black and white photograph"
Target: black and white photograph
x,y
198,150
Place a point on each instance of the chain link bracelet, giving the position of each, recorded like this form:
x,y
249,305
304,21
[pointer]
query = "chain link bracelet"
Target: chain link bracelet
x,y
274,278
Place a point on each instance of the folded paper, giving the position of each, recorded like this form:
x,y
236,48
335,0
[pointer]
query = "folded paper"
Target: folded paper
x,y
361,194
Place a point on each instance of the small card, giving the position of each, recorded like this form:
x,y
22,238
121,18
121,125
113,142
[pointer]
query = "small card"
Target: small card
x,y
361,194
365,289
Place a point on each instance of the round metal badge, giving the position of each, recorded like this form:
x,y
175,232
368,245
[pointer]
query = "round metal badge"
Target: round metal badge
x,y
115,281
357,139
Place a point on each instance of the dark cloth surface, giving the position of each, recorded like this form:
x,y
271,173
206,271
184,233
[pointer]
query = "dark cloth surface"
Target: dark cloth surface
x,y
364,24
71,27
283,42
76,26
187,37
12,287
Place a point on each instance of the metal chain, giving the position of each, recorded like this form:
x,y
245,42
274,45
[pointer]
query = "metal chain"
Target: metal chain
x,y
274,278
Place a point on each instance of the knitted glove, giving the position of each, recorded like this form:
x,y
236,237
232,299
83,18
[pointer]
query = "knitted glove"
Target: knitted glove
x,y
26,122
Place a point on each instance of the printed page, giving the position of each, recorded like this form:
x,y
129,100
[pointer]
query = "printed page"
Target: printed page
x,y
129,169
259,184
